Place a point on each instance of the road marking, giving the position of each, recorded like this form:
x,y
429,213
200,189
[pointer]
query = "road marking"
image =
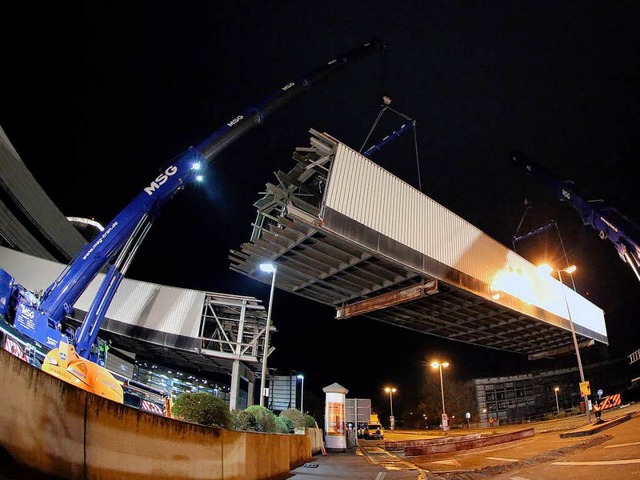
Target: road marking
x,y
524,441
603,462
378,456
453,462
623,445
504,459
381,475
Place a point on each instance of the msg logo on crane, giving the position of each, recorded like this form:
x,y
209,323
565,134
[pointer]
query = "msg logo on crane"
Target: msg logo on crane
x,y
160,180
234,121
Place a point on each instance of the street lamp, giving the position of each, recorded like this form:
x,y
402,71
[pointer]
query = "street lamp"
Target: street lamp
x,y
392,419
569,270
438,365
269,268
301,377
556,389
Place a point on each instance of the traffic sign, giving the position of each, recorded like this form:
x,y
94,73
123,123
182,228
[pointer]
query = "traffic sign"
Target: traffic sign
x,y
585,388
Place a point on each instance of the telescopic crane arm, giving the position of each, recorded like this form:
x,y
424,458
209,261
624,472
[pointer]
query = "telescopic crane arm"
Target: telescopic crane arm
x,y
117,244
607,221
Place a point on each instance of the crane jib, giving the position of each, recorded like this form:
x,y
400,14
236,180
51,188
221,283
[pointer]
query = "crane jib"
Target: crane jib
x,y
611,225
120,241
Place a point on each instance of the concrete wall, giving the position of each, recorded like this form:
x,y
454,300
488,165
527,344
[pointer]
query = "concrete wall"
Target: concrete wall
x,y
59,429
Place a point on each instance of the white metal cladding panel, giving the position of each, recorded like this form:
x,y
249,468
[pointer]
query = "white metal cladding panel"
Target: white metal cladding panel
x,y
370,195
33,273
149,305
367,193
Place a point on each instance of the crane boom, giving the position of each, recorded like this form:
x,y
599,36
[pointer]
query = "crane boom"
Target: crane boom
x,y
606,220
41,318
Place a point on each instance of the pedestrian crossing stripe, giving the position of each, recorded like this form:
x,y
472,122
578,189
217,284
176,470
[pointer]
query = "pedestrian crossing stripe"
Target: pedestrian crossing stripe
x,y
608,402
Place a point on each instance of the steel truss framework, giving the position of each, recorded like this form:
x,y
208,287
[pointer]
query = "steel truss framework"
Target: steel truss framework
x,y
233,327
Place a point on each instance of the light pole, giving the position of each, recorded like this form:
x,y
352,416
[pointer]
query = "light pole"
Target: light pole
x,y
269,268
438,365
557,404
569,270
301,377
392,419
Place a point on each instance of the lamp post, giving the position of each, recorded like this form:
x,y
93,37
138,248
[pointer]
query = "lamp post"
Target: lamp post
x,y
557,404
439,365
392,419
569,270
301,377
269,268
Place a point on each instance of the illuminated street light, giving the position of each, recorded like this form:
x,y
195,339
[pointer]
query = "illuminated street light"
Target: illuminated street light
x,y
556,389
438,365
301,377
392,419
547,269
269,268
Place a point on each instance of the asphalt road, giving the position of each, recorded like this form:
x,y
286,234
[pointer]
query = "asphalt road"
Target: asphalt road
x,y
613,453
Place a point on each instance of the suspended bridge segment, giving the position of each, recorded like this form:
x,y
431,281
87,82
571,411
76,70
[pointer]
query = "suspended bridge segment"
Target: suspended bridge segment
x,y
345,232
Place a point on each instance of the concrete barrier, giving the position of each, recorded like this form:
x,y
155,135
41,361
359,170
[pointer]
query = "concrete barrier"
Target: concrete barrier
x,y
400,445
61,430
456,444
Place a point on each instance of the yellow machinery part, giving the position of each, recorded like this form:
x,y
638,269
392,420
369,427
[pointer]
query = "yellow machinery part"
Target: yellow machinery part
x,y
65,363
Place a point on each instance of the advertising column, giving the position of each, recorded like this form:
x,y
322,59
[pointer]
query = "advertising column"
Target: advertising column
x,y
334,417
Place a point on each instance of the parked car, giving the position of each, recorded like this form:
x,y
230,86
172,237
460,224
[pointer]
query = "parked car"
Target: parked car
x,y
374,430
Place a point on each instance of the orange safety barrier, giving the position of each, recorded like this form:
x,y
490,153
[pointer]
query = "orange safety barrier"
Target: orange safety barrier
x,y
608,402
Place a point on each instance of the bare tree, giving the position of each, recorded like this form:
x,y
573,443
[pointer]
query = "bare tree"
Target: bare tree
x,y
459,399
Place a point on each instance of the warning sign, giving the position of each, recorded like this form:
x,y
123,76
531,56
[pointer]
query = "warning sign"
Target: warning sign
x,y
585,388
609,402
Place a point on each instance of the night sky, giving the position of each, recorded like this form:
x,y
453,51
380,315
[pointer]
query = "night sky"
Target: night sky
x,y
96,98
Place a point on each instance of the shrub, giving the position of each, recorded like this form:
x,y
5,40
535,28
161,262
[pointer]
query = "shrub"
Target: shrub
x,y
241,420
309,421
282,425
265,420
287,422
202,408
294,416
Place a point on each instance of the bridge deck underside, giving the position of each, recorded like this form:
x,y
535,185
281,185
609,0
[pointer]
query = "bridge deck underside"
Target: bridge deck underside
x,y
319,266
328,257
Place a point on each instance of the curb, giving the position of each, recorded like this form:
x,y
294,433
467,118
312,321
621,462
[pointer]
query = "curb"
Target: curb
x,y
593,429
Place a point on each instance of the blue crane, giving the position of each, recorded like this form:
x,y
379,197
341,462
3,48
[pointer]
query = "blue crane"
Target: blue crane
x,y
610,224
40,318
